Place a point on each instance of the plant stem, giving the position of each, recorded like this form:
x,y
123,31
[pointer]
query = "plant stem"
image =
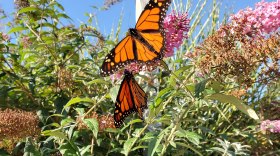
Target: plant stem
x,y
42,42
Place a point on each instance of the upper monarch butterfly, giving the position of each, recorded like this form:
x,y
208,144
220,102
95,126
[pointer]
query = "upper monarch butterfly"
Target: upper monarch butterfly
x,y
145,43
131,98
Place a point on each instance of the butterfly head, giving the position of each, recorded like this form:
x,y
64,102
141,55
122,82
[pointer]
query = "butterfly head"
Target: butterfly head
x,y
132,32
127,73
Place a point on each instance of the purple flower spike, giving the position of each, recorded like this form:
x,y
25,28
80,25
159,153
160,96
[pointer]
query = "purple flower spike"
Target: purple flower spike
x,y
176,27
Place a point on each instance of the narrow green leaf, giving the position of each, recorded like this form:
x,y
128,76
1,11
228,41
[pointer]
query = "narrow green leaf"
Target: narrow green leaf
x,y
177,73
93,125
55,133
15,29
29,149
114,92
127,145
27,9
77,100
98,81
42,113
135,148
154,144
199,88
193,137
164,65
238,103
207,130
110,42
60,115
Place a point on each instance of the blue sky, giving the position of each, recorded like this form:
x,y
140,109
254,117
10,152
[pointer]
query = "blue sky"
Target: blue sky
x,y
76,9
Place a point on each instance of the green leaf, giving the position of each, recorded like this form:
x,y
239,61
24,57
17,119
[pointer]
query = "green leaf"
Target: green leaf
x,y
64,16
27,9
238,103
207,130
114,92
135,148
66,121
42,113
98,81
55,133
67,150
250,135
110,43
177,73
58,5
3,17
193,137
60,103
190,147
154,144
15,29
127,145
29,149
55,115
93,125
216,86
164,65
81,111
77,134
49,25
86,14
85,149
77,100
199,88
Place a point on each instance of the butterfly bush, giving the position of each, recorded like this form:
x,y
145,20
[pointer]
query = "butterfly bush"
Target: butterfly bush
x,y
176,27
275,124
264,19
235,52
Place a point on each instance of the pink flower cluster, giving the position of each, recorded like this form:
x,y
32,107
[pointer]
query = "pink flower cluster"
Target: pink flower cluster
x,y
26,42
176,27
6,37
132,67
275,124
264,19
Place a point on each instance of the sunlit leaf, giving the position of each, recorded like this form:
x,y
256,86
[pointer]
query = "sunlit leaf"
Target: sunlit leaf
x,y
15,29
238,103
27,9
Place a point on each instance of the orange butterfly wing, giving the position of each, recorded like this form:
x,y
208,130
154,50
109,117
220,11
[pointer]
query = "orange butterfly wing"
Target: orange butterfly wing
x,y
147,41
150,27
139,96
131,98
120,56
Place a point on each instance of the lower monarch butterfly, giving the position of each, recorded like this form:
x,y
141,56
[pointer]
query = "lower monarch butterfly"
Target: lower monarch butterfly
x,y
131,98
145,43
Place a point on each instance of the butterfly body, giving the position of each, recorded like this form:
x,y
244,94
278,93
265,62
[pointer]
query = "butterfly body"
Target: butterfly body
x,y
145,43
131,98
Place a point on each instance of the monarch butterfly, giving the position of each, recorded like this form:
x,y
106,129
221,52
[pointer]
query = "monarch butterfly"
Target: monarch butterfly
x,y
131,98
145,43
